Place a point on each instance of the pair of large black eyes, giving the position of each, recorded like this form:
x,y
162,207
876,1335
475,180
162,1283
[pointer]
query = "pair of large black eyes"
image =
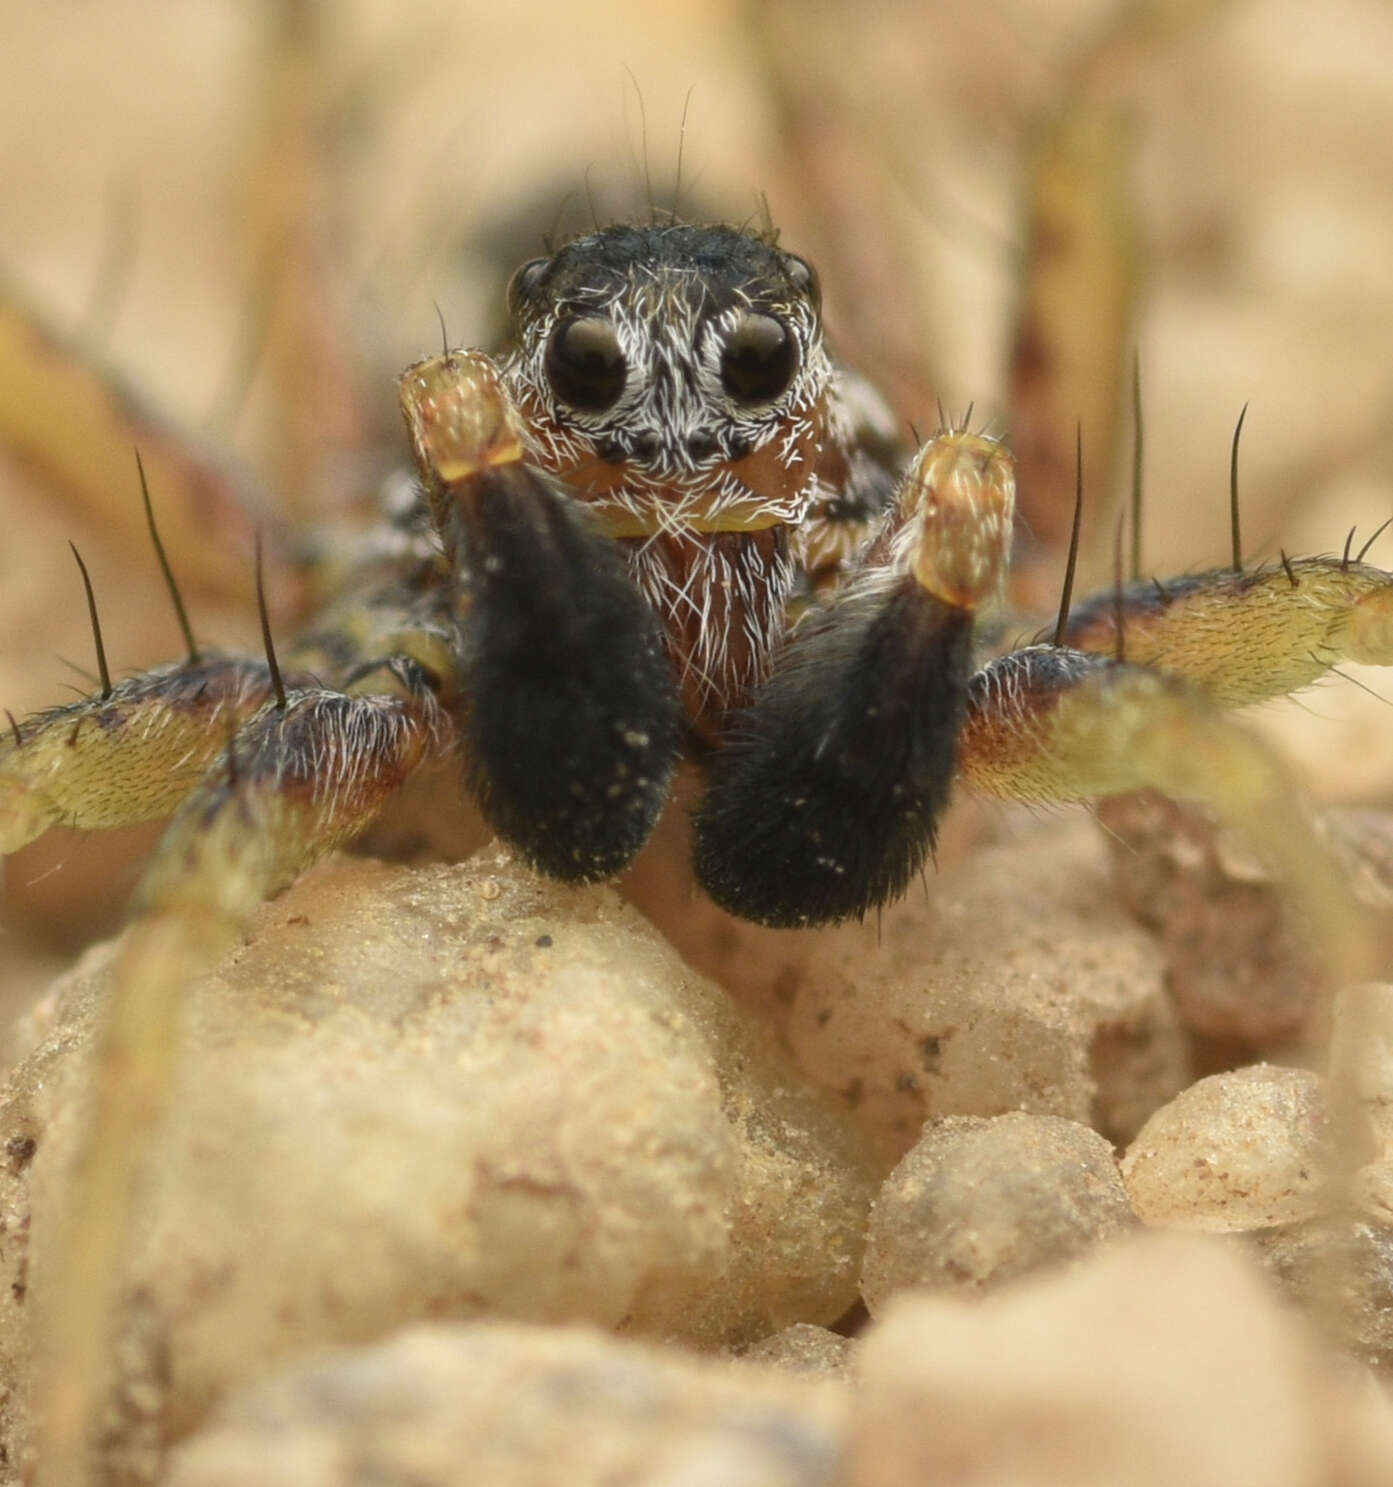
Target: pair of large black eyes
x,y
587,370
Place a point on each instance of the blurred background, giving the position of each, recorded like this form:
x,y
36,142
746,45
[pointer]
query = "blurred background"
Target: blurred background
x,y
252,210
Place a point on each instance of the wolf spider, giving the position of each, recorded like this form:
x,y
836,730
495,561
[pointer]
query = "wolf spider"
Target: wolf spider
x,y
663,523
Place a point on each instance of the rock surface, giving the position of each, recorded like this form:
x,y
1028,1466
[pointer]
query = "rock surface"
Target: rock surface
x,y
979,1202
1241,1150
806,1349
1238,962
1157,1361
1163,1360
442,1092
1014,980
1339,1267
508,1406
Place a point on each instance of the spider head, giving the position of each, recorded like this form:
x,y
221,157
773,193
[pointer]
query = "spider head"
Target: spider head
x,y
674,376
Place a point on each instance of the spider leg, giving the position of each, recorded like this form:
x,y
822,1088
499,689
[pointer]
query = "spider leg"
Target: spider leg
x,y
569,713
1247,636
77,418
1049,724
289,785
821,801
295,783
129,756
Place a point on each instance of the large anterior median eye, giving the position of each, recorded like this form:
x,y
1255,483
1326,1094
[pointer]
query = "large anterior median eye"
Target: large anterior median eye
x,y
758,359
585,365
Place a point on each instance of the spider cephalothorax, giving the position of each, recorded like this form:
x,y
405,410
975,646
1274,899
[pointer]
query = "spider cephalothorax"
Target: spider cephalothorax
x,y
676,379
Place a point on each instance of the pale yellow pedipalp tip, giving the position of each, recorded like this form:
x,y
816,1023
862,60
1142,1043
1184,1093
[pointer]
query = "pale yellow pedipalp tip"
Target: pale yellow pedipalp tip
x,y
963,489
458,416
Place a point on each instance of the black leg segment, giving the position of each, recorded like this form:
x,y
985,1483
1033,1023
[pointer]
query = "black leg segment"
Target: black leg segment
x,y
571,726
822,802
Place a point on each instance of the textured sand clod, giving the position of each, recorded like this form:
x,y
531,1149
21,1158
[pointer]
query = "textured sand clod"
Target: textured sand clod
x,y
1237,965
1236,1151
509,1405
1015,980
1240,963
454,1091
980,1202
1164,1361
459,1092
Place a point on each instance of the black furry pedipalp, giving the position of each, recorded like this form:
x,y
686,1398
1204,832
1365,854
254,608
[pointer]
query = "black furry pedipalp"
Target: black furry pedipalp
x,y
822,802
572,726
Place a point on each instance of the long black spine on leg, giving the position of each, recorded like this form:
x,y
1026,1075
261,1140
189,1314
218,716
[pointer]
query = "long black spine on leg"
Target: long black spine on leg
x,y
572,722
822,803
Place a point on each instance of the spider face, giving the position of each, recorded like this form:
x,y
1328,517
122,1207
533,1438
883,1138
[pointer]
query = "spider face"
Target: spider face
x,y
674,376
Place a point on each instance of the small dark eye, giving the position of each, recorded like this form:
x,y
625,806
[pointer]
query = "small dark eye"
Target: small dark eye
x,y
523,285
585,365
758,360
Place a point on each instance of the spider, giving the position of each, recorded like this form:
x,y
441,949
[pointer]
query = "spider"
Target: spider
x,y
663,524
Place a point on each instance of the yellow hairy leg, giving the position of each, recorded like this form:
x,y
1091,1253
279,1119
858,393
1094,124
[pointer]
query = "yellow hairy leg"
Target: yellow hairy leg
x,y
1247,636
298,781
130,756
1051,724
